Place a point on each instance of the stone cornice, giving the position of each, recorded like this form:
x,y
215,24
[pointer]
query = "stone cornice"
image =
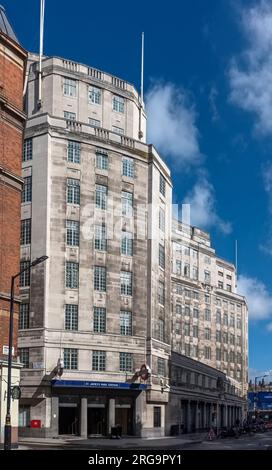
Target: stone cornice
x,y
7,177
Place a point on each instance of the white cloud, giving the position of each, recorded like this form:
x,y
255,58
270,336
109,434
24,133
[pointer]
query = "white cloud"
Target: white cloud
x,y
171,124
251,74
203,206
258,297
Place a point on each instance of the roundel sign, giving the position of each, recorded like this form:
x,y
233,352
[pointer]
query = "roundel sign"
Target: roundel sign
x,y
144,372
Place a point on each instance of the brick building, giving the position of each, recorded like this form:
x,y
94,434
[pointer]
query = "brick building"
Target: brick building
x,y
12,119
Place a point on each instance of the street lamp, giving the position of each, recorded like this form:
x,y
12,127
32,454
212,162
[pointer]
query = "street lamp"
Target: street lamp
x,y
7,436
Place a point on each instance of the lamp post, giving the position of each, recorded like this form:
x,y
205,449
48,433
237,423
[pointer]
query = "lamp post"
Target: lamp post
x,y
7,435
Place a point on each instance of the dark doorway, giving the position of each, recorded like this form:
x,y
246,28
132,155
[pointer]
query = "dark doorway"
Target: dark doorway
x,y
68,420
123,418
97,421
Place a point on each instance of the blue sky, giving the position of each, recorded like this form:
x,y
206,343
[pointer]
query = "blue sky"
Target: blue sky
x,y
208,71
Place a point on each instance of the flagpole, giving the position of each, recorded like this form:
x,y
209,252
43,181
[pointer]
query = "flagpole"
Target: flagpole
x,y
42,5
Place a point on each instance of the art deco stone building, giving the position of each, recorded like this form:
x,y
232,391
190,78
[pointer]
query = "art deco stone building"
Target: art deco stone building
x,y
12,119
97,200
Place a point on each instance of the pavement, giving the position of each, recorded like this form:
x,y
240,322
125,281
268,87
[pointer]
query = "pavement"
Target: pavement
x,y
66,443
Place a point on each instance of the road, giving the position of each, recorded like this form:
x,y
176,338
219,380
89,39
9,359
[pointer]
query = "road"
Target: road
x,y
262,441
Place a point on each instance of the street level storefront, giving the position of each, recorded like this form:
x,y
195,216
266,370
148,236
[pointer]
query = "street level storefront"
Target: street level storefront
x,y
90,408
201,397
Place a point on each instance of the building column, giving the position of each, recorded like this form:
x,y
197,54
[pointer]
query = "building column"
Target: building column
x,y
197,415
54,416
138,417
111,420
189,418
205,415
225,419
84,418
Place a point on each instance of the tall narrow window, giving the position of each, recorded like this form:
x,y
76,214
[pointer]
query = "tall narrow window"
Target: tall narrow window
x,y
162,219
72,233
99,320
161,256
127,204
127,243
157,417
125,323
26,232
207,316
100,278
128,167
71,317
69,87
71,275
118,104
99,360
102,161
207,352
126,362
28,149
161,292
161,366
27,189
73,191
162,185
25,276
207,333
70,358
101,196
207,277
95,95
100,240
73,151
24,317
126,282
24,357
160,330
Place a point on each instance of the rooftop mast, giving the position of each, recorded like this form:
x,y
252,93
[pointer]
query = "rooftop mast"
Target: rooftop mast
x,y
42,4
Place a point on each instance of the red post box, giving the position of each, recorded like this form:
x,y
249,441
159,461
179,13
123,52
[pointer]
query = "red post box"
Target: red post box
x,y
35,423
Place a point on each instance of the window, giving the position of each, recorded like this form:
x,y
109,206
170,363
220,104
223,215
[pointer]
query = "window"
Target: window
x,y
195,331
101,196
118,104
195,295
186,270
207,314
94,122
73,151
218,354
162,185
72,233
162,219
187,329
27,150
239,322
178,328
225,337
118,130
71,317
160,333
70,358
218,316
229,277
220,273
195,313
128,167
195,273
99,360
225,356
71,275
225,319
69,115
27,189
229,287
207,277
99,320
157,417
218,301
100,237
187,310
194,350
102,161
161,256
161,293
25,232
178,267
94,95
161,366
25,276
126,282
125,323
73,191
232,320
232,339
232,356
24,317
69,87
179,289
187,349
179,309
220,285
218,336
207,333
207,352
24,357
126,362
239,341
207,260
127,243
194,253
239,358
127,204
207,299
100,275
24,416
